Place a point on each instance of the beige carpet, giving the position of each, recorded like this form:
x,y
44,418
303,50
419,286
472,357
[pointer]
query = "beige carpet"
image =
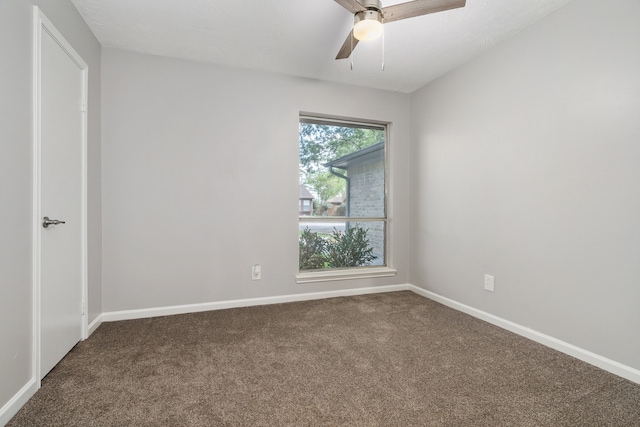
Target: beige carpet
x,y
393,359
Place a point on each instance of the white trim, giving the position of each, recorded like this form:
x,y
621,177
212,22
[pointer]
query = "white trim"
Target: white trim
x,y
95,324
249,302
579,353
37,214
85,195
356,273
386,270
328,119
40,23
341,219
11,408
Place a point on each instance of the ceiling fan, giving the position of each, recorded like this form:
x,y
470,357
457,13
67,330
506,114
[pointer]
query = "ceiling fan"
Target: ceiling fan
x,y
369,15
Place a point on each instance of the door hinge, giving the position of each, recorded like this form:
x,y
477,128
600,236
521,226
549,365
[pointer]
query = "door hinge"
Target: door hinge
x,y
83,308
83,105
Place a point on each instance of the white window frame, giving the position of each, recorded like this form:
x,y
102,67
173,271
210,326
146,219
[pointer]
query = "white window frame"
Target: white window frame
x,y
363,272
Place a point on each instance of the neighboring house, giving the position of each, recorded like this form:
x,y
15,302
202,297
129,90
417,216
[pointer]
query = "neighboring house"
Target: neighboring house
x,y
337,200
364,176
305,201
335,206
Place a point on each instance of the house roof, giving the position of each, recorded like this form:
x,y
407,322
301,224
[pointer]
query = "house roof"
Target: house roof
x,y
305,193
337,200
371,152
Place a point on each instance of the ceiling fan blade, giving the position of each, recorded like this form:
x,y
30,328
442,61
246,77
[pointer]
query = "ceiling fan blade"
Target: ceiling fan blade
x,y
418,8
347,47
351,5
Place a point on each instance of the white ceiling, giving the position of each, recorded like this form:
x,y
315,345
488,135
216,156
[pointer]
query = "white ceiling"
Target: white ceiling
x,y
302,37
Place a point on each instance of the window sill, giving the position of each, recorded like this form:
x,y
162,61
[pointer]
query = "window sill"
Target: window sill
x,y
356,273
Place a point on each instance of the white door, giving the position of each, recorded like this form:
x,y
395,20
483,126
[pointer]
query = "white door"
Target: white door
x,y
62,83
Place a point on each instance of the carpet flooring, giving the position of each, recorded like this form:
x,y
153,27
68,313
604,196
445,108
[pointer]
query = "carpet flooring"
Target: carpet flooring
x,y
394,359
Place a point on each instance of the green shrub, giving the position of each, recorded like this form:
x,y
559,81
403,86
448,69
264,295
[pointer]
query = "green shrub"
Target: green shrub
x,y
342,249
313,250
350,248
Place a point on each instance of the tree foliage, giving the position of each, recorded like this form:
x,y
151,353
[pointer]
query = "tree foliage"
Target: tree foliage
x,y
325,185
320,144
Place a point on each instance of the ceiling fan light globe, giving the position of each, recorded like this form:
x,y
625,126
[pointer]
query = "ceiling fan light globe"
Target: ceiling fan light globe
x,y
368,28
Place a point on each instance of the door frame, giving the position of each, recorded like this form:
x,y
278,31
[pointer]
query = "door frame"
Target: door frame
x,y
40,24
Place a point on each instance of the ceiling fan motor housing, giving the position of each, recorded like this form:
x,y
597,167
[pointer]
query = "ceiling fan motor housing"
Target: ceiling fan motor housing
x,y
373,12
368,15
372,4
367,24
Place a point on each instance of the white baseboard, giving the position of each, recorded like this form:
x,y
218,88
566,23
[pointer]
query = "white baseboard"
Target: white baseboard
x,y
17,401
586,356
94,325
221,305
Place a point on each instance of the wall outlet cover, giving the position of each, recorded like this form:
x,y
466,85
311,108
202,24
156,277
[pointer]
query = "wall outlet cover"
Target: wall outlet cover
x,y
256,272
488,282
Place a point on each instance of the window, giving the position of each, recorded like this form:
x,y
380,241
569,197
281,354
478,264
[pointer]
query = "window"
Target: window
x,y
343,167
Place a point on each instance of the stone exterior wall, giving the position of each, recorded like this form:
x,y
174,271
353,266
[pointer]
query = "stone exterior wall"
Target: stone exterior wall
x,y
367,199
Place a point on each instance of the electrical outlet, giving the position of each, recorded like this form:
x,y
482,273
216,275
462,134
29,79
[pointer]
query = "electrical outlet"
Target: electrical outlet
x,y
488,282
256,272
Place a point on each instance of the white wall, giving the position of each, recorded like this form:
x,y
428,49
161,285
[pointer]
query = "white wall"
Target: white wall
x,y
16,29
200,179
526,165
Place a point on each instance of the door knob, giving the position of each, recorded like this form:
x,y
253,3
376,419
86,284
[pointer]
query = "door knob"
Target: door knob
x,y
46,222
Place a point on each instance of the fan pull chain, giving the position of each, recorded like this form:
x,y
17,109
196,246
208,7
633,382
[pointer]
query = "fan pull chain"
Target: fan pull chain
x,y
352,54
383,31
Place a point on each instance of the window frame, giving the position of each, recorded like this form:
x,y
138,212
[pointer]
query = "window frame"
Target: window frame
x,y
361,272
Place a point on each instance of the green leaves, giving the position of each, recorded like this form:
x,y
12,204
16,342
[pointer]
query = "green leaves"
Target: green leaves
x,y
341,249
312,250
325,185
320,144
350,249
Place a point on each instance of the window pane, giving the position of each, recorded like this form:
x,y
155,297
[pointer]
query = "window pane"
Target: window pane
x,y
375,234
342,170
323,227
365,197
343,167
341,245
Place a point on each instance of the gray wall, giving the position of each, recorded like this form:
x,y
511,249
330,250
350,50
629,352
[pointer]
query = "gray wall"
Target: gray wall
x,y
525,164
200,179
16,28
